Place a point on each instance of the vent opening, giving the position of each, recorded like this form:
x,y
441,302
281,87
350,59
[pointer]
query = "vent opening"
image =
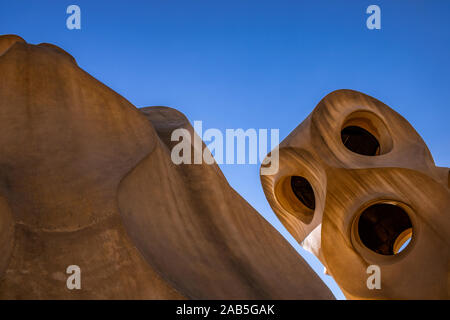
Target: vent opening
x,y
385,228
303,191
364,133
296,195
360,141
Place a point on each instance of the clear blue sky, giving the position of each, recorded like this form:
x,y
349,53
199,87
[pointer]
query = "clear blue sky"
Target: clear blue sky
x,y
257,64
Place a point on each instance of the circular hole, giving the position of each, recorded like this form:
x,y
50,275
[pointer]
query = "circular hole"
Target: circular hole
x,y
303,191
385,228
296,195
360,141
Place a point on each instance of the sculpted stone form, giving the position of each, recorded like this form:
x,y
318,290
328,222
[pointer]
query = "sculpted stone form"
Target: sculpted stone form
x,y
356,181
86,179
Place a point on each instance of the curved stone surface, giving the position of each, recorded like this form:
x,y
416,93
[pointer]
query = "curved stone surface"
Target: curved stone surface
x,y
66,143
199,233
7,41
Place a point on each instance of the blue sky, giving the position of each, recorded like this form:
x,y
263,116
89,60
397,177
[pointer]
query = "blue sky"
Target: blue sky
x,y
257,64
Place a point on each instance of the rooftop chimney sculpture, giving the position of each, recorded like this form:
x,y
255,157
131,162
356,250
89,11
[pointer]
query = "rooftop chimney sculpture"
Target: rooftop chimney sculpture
x,y
355,183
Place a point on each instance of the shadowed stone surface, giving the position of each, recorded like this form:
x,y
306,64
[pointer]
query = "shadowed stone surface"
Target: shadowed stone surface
x,y
86,179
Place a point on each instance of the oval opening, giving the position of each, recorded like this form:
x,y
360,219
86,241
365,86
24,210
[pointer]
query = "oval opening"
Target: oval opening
x,y
364,133
303,191
296,195
385,228
360,141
